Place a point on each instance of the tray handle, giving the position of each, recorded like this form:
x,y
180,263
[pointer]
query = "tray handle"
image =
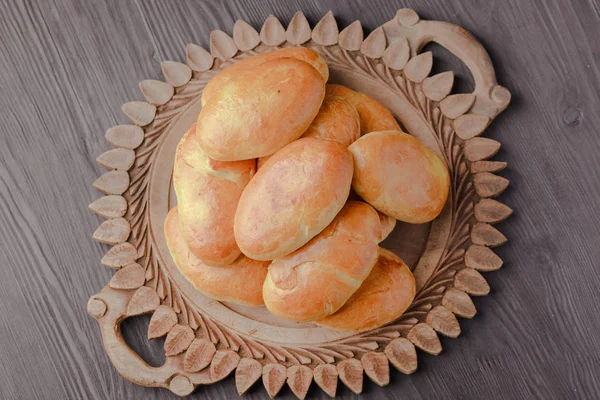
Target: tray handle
x,y
490,98
109,308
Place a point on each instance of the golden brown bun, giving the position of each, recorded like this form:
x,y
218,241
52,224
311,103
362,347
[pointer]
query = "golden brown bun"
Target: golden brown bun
x,y
261,111
240,282
387,225
337,120
399,176
382,298
373,115
317,279
294,196
207,193
232,71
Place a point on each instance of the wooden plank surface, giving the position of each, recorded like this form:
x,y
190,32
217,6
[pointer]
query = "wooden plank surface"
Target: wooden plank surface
x,y
66,66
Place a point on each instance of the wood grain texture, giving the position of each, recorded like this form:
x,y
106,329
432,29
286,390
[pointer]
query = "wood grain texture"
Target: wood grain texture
x,y
67,67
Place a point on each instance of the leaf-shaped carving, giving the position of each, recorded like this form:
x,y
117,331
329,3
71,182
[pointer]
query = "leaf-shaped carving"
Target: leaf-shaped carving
x,y
438,86
298,30
181,386
113,182
112,231
143,301
459,303
351,38
366,345
149,271
424,337
199,355
246,374
482,258
456,105
419,67
178,340
274,376
177,74
326,31
96,307
487,166
126,136
489,185
403,355
129,277
376,367
221,45
491,211
470,125
374,44
245,36
121,159
397,54
139,112
299,378
119,256
480,148
109,206
223,363
407,17
470,281
198,58
443,321
350,372
326,376
161,290
156,92
272,32
162,321
486,235
194,320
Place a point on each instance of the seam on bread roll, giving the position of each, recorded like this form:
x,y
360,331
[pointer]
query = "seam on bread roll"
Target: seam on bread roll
x,y
382,298
317,279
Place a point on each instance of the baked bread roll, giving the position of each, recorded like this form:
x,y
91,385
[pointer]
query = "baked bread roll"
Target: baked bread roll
x,y
260,111
337,120
387,225
207,193
239,67
317,279
382,298
240,282
399,176
294,196
373,115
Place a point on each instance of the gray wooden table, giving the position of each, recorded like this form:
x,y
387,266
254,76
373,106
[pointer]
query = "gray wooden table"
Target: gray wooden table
x,y
66,66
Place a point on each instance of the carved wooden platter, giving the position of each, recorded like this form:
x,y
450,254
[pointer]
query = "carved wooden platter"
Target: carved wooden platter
x,y
207,340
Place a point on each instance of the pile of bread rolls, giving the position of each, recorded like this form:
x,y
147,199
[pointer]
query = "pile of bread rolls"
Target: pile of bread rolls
x,y
262,183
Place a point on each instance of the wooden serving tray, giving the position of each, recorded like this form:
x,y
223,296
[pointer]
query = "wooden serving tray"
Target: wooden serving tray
x,y
207,340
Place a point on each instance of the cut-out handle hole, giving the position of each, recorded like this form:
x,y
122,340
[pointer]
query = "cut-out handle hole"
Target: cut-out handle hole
x,y
444,60
135,334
